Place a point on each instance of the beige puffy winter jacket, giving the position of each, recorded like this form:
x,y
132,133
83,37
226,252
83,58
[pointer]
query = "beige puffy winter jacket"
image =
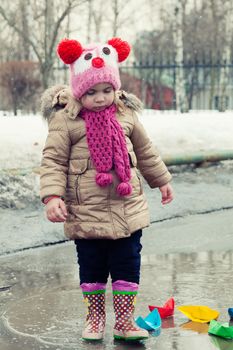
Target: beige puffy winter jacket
x,y
67,170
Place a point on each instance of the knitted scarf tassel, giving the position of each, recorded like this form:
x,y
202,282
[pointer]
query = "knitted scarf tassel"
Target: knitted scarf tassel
x,y
107,146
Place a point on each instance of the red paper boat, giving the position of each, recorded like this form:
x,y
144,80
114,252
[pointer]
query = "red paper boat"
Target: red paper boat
x,y
166,310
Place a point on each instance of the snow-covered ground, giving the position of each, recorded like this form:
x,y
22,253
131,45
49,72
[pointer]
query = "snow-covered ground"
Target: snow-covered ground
x,y
190,132
22,138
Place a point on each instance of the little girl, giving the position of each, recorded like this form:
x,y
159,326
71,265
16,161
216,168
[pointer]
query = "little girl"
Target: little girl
x,y
90,179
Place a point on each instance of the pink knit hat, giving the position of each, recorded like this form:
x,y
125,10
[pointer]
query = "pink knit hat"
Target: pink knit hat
x,y
93,64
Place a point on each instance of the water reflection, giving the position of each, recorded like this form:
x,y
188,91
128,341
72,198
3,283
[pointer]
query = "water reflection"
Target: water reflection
x,y
195,327
45,303
122,345
222,344
168,322
155,333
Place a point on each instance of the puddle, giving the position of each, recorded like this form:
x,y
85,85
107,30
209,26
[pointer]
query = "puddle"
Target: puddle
x,y
44,310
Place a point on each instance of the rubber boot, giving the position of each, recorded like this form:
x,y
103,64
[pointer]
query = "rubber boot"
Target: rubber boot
x,y
94,297
124,299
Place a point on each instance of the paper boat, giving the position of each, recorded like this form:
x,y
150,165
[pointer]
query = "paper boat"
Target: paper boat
x,y
151,322
221,329
199,313
166,310
230,312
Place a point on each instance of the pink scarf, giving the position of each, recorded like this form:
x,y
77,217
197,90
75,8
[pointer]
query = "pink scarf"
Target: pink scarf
x,y
107,146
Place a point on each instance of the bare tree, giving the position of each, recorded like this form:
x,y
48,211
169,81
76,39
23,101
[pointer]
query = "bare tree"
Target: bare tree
x,y
215,8
123,14
20,80
104,19
97,14
47,18
116,11
24,16
226,54
89,20
181,100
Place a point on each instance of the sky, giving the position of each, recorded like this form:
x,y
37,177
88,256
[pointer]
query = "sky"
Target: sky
x,y
135,16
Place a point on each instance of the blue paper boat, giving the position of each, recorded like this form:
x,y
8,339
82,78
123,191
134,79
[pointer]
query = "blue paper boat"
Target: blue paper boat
x,y
151,322
230,312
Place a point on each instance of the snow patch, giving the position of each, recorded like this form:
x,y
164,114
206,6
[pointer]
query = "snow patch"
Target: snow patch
x,y
22,138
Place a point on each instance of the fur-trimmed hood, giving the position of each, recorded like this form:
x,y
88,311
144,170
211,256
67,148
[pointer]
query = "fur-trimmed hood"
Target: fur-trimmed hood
x,y
60,96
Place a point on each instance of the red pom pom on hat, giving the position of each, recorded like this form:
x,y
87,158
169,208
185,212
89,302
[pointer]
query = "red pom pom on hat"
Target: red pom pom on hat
x,y
122,48
69,50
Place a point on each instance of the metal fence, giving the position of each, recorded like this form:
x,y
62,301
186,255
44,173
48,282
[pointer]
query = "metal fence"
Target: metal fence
x,y
155,82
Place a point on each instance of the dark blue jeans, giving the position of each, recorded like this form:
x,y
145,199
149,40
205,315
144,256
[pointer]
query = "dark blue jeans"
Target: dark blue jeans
x,y
121,258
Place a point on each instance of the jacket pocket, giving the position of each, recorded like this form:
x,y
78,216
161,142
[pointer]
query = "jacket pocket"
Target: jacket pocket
x,y
81,167
78,166
140,183
132,159
77,189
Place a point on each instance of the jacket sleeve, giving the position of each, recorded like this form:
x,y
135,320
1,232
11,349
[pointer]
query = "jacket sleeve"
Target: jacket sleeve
x,y
55,160
149,161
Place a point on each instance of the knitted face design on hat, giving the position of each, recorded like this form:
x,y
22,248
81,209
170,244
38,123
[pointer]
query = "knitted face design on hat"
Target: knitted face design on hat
x,y
93,64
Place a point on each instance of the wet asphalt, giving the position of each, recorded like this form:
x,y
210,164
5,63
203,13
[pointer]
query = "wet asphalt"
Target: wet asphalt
x,y
187,255
41,303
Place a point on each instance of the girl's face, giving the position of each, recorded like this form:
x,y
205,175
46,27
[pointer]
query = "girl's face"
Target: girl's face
x,y
99,97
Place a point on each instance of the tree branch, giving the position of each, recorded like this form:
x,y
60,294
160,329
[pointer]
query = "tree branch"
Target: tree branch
x,y
71,5
18,30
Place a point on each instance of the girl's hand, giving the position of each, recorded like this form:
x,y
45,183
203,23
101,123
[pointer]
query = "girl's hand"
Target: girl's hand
x,y
56,210
167,193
